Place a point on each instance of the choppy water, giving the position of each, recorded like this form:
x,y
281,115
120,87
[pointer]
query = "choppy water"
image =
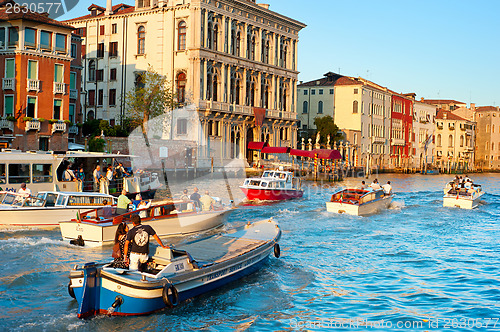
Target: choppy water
x,y
409,265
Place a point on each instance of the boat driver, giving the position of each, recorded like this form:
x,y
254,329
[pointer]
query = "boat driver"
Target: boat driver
x,y
138,242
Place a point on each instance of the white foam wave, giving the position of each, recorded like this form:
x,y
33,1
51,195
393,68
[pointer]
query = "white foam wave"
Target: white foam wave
x,y
286,211
397,205
30,241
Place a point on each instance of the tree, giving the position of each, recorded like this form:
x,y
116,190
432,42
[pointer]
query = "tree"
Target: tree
x,y
326,126
151,97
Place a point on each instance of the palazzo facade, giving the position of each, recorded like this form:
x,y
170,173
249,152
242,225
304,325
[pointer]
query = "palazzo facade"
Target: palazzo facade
x,y
234,60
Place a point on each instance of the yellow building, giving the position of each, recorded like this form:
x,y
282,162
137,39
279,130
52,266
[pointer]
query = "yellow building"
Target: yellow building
x,y
488,137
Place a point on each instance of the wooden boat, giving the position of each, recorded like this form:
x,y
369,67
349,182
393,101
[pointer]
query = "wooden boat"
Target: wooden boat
x,y
168,219
174,275
359,202
464,198
273,186
47,208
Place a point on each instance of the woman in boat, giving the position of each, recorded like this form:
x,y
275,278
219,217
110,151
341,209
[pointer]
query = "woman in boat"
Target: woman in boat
x,y
120,237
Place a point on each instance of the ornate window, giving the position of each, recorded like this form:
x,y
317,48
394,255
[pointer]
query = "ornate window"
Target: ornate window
x,y
181,36
141,40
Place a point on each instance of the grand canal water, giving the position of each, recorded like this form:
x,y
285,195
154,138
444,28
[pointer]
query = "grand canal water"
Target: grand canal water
x,y
416,264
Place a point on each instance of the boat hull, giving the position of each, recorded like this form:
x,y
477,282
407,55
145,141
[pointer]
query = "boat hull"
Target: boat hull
x,y
37,217
360,210
176,225
271,194
461,202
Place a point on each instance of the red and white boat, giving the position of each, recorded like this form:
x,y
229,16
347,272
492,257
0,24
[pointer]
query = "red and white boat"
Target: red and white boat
x,y
273,186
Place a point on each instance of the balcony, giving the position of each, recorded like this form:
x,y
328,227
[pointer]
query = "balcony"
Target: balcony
x,y
9,83
32,125
73,93
217,106
6,124
59,88
398,141
451,126
423,119
34,85
73,130
58,126
378,140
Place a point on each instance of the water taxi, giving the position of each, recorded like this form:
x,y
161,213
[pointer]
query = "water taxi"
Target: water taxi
x,y
168,219
359,202
47,208
174,275
43,171
273,186
461,197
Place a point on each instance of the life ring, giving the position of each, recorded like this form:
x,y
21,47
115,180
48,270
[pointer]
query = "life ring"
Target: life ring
x,y
277,250
71,291
171,300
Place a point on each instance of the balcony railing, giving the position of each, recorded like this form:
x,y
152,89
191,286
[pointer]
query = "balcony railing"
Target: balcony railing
x,y
6,124
33,85
73,93
378,140
398,141
217,106
59,88
73,130
58,126
9,83
32,125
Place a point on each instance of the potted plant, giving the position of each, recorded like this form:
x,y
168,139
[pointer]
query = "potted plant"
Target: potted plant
x,y
52,121
69,123
41,119
11,118
27,118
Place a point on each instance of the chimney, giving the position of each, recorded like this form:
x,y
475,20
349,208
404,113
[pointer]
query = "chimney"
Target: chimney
x,y
263,5
472,106
109,7
422,99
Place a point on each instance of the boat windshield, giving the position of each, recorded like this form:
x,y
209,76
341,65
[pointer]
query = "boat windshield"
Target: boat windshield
x,y
255,183
268,174
11,199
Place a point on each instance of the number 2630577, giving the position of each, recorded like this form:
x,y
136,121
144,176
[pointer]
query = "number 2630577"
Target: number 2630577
x,y
41,7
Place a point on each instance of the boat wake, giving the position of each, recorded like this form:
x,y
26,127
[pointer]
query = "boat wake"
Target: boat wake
x,y
29,241
397,205
287,212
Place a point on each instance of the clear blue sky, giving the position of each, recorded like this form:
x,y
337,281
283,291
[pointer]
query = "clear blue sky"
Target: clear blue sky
x,y
441,49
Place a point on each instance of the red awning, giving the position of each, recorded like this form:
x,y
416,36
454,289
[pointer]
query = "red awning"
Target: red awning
x,y
270,149
256,145
301,153
327,154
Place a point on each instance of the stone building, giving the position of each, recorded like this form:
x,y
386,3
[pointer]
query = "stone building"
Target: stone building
x,y
234,60
39,64
455,137
488,137
424,126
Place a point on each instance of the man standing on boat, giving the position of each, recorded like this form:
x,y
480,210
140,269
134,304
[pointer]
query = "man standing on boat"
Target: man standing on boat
x,y
138,241
123,202
97,177
80,177
24,191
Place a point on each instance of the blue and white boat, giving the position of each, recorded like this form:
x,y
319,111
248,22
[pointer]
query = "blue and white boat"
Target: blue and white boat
x,y
174,275
359,202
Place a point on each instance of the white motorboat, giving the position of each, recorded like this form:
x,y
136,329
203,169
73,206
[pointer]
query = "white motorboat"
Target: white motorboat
x,y
273,186
167,219
48,208
461,197
359,202
174,275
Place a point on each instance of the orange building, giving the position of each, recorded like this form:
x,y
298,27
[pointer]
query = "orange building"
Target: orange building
x,y
40,66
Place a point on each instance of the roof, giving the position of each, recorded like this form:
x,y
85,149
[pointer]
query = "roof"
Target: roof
x,y
256,145
277,149
118,9
321,153
11,15
449,116
348,81
442,101
329,79
486,109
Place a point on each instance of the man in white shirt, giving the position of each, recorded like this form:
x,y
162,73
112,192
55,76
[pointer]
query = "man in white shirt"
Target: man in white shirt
x,y
375,185
23,190
387,188
69,175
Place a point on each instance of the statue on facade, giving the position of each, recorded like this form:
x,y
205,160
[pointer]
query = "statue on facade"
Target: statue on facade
x,y
328,142
303,144
310,144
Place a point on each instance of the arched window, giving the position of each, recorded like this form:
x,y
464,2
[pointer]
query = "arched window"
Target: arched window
x,y
215,37
492,146
210,76
285,51
181,87
355,106
250,92
461,140
181,36
215,86
438,140
90,115
141,40
320,107
305,107
238,41
91,70
450,141
235,89
264,88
